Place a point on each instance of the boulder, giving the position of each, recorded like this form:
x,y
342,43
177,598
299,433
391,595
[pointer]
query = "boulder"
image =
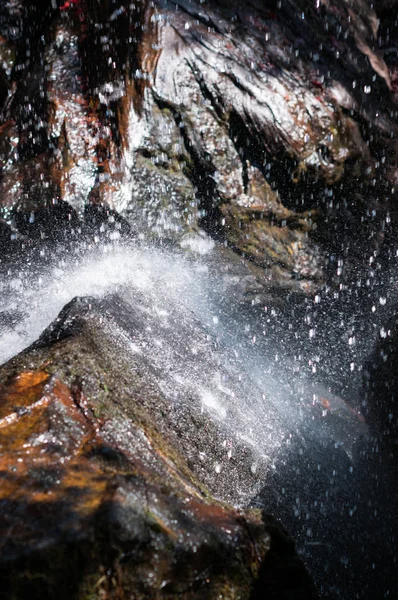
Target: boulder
x,y
271,127
100,497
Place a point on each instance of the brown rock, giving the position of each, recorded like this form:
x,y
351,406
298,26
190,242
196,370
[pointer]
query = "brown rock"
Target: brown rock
x,y
163,113
97,500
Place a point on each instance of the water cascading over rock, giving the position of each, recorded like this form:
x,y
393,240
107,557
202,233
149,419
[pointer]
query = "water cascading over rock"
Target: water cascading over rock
x,y
261,139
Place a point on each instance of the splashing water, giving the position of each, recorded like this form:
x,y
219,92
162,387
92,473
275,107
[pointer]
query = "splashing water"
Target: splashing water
x,y
185,306
182,322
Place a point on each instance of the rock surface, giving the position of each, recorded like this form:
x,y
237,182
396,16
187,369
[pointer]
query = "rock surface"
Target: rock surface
x,y
98,498
272,127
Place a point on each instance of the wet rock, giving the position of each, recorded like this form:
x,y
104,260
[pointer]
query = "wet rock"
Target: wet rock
x,y
52,223
10,245
272,236
387,12
5,234
100,220
97,496
273,128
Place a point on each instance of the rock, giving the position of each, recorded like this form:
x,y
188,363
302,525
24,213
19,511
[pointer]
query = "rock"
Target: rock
x,y
5,235
272,127
53,223
98,498
388,28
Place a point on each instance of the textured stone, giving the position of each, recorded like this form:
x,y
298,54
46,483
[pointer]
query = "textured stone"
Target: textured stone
x,y
170,114
97,499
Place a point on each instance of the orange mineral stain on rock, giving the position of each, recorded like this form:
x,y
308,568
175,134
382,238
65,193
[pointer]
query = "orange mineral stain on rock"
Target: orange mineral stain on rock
x,y
23,390
325,403
45,442
106,487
